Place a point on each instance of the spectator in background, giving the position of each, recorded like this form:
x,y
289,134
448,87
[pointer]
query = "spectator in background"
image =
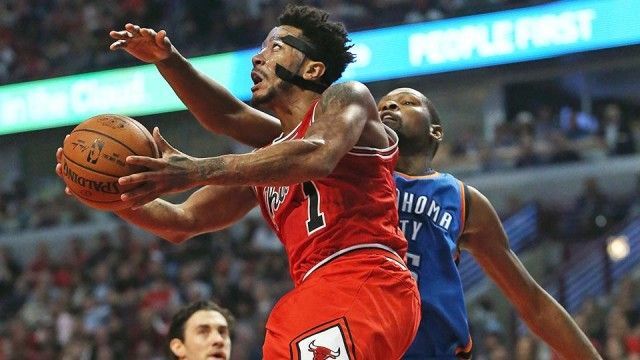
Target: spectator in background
x,y
545,122
488,159
504,135
524,124
7,58
527,156
492,348
486,325
575,124
466,143
632,342
614,349
9,270
453,7
200,330
352,13
592,316
592,209
526,348
424,10
633,208
562,150
615,131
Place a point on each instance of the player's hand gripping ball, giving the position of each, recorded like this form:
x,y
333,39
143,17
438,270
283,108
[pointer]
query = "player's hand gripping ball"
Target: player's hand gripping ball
x,y
94,154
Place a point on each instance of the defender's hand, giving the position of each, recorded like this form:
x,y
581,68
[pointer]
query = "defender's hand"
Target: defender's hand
x,y
144,44
173,172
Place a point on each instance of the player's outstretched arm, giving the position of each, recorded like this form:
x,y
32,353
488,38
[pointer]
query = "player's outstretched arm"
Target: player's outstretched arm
x,y
485,238
210,208
338,126
343,118
213,105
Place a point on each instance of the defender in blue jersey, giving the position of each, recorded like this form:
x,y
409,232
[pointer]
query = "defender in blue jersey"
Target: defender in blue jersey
x,y
440,216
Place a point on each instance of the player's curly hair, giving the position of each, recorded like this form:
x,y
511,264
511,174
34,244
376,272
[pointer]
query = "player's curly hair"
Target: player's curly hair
x,y
329,37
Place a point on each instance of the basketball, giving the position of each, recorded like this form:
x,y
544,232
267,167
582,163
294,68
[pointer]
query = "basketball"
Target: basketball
x,y
94,154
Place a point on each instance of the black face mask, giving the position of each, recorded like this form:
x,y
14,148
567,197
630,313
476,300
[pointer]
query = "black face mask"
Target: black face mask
x,y
309,51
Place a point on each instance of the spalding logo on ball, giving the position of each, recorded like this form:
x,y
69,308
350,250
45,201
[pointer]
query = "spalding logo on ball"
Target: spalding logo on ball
x,y
94,157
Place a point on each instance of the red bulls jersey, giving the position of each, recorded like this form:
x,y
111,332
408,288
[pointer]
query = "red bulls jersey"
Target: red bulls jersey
x,y
353,207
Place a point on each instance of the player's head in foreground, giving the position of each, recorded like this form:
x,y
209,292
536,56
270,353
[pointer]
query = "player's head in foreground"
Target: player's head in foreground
x,y
305,52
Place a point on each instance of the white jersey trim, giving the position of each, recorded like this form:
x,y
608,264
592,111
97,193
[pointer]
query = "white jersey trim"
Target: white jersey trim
x,y
346,250
384,152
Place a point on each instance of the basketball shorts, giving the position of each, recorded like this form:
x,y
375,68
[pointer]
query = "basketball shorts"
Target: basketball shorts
x,y
361,305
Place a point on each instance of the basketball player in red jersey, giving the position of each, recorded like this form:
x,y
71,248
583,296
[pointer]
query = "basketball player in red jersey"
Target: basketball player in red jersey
x,y
322,177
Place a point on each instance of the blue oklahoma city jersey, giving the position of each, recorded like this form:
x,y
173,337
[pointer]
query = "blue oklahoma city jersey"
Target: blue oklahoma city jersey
x,y
432,214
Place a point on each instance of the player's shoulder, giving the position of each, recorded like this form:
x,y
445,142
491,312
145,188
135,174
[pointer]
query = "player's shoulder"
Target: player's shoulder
x,y
478,200
346,93
475,193
352,85
348,86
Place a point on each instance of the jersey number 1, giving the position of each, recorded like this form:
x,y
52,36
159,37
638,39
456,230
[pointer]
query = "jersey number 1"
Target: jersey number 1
x,y
315,218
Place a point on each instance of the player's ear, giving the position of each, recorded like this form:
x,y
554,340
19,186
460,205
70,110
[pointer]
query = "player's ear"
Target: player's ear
x,y
436,132
314,70
177,347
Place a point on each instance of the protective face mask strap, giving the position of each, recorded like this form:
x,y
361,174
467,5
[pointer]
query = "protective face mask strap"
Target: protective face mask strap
x,y
308,50
302,45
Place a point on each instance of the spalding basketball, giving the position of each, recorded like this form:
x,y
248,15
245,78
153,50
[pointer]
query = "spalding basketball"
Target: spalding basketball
x,y
94,154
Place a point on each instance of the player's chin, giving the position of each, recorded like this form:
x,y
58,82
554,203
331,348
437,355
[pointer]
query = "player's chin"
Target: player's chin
x,y
260,97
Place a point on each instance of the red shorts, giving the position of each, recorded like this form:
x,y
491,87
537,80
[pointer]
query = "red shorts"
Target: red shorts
x,y
362,305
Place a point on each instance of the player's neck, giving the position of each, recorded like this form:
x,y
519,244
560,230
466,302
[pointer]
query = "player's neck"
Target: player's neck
x,y
414,165
291,107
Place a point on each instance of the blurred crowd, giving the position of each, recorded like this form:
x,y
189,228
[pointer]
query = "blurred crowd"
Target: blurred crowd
x,y
114,300
111,295
48,38
22,208
611,322
547,135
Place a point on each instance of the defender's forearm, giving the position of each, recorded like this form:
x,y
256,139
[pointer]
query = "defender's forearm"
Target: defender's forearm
x,y
555,326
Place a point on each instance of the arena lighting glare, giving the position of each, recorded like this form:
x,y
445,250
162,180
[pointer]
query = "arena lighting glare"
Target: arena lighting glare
x,y
504,37
618,247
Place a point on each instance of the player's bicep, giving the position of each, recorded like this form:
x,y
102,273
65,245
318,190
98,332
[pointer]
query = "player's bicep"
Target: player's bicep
x,y
341,116
485,238
215,207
